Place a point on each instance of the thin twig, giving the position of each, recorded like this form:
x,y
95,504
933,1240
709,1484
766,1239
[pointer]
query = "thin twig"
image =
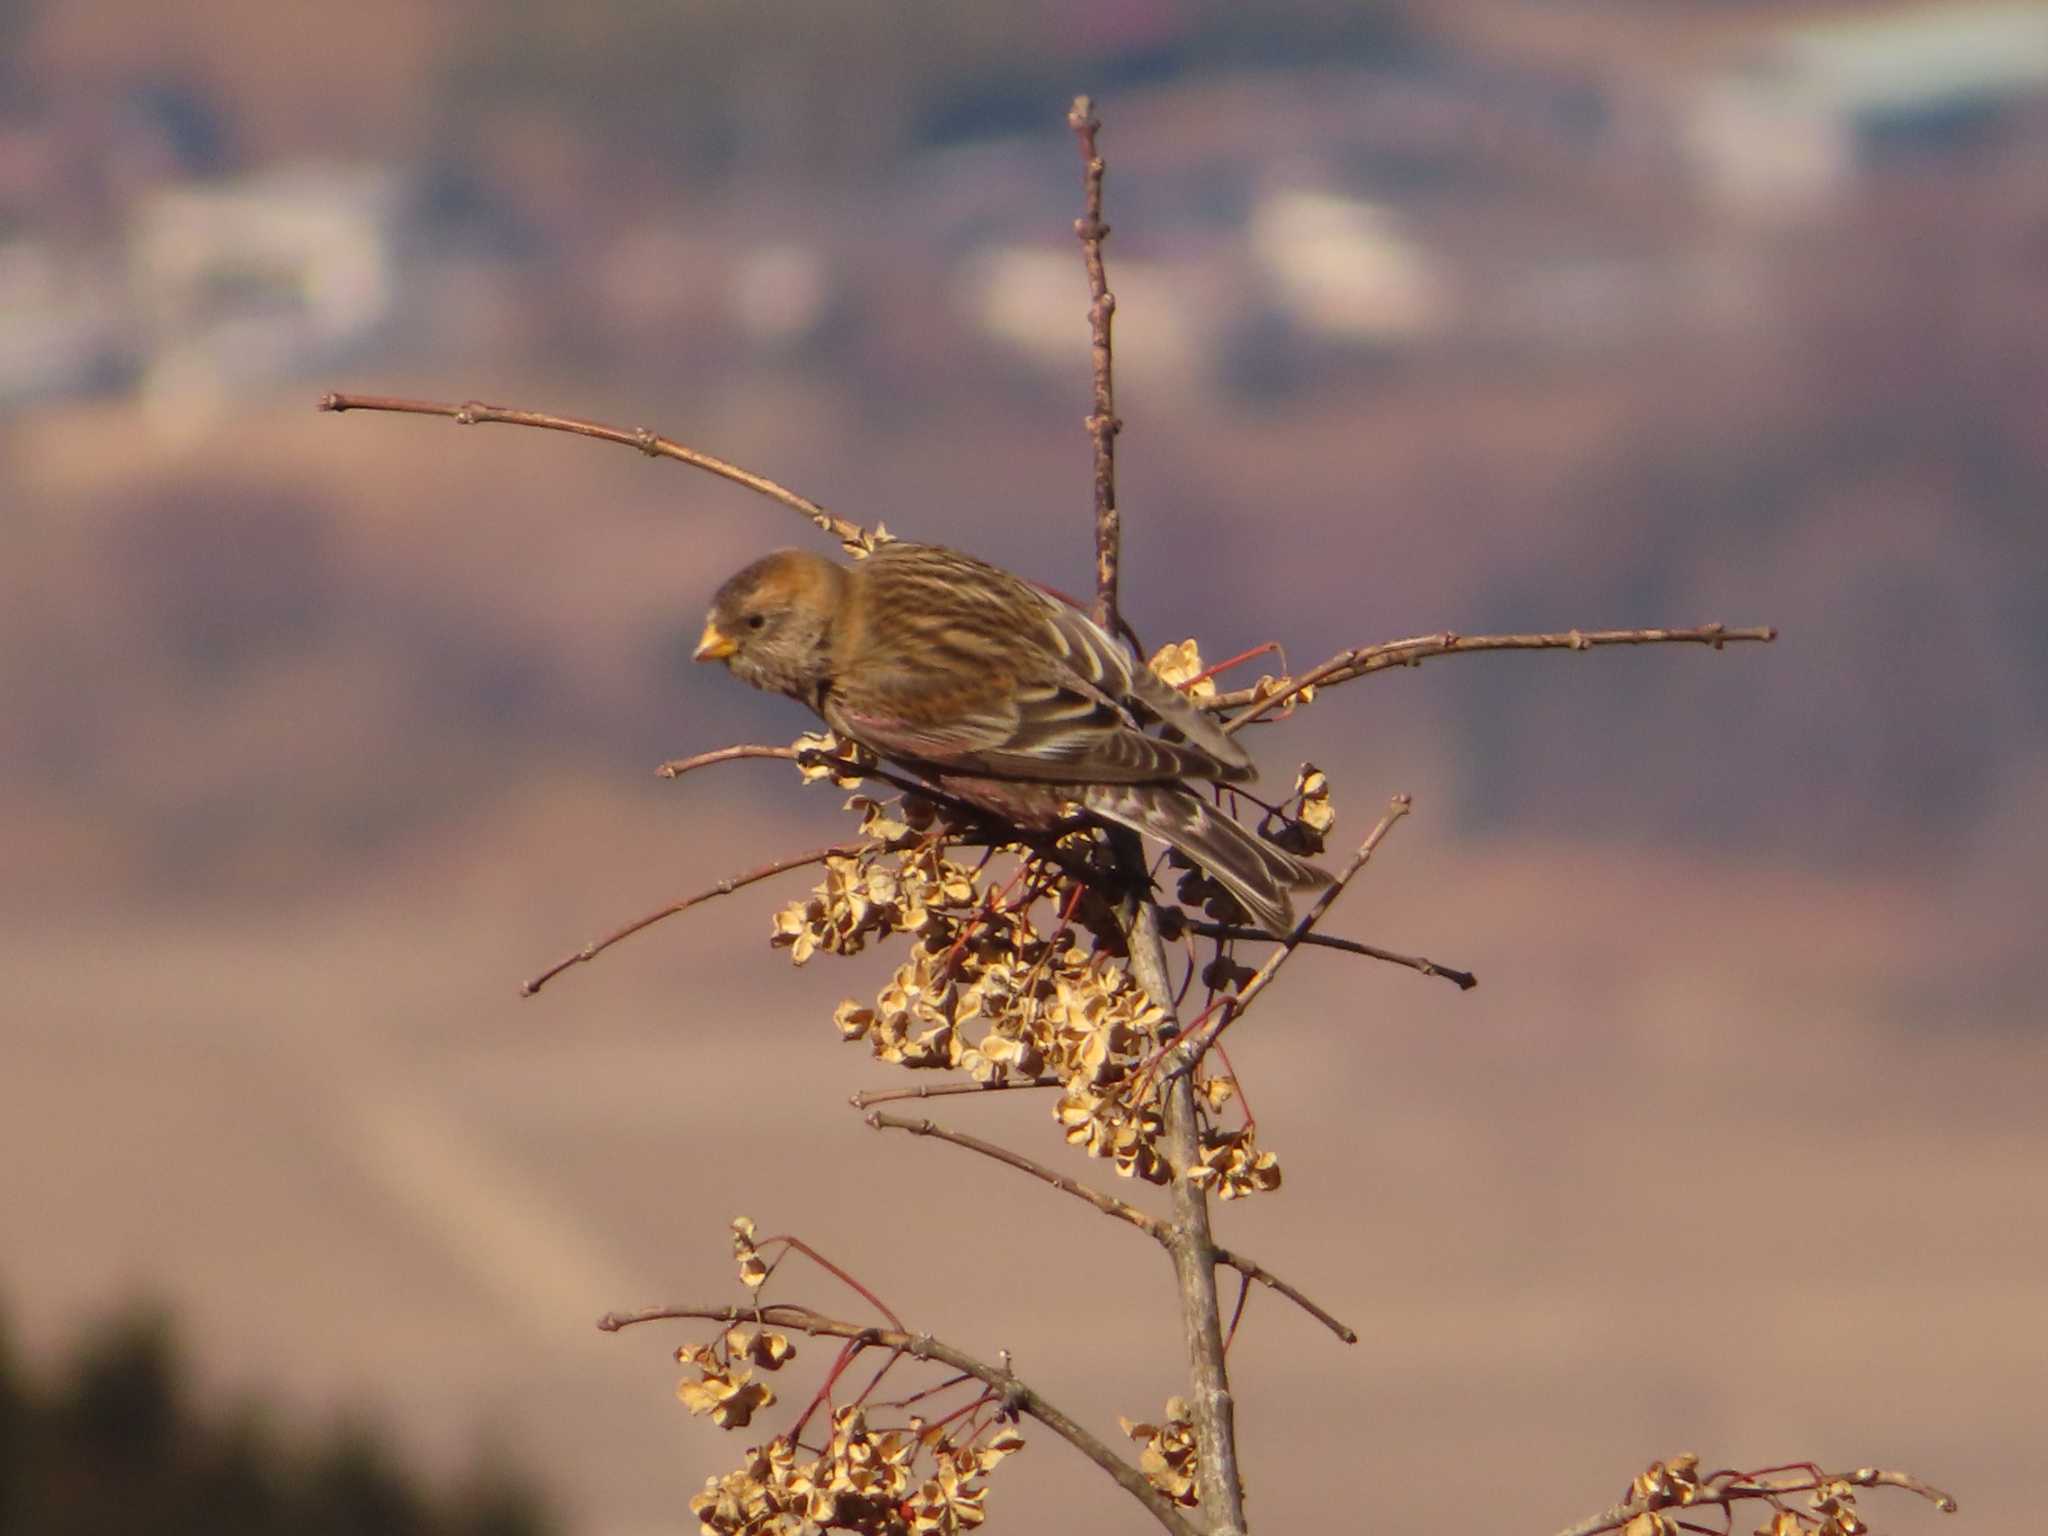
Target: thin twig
x,y
1016,1396
676,767
1254,1271
1465,980
1190,1050
1109,1205
1159,1231
477,413
724,887
848,1353
1244,1294
923,1394
1880,1477
867,1098
1367,659
875,1380
1726,1489
813,757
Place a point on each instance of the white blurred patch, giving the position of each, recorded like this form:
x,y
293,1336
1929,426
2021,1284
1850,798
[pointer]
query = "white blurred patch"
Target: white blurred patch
x,y
781,294
1035,299
1345,268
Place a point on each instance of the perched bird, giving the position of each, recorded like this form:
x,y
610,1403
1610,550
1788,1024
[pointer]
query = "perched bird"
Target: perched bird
x,y
1001,695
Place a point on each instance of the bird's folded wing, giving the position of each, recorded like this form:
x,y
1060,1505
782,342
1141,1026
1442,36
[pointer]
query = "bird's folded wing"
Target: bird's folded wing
x,y
962,665
1106,664
1051,732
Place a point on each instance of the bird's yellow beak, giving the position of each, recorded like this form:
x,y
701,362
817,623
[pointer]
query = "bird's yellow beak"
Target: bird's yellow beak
x,y
713,644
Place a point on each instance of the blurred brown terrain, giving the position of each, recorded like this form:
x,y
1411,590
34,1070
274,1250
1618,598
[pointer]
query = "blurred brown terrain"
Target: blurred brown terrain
x,y
318,734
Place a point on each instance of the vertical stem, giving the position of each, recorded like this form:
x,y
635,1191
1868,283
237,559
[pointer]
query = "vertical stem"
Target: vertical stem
x,y
1194,1264
1194,1251
1102,424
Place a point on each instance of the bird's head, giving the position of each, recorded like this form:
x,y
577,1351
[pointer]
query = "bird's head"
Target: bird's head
x,y
771,624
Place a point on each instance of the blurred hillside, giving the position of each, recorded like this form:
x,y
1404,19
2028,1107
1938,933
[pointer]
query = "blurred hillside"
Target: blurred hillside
x,y
317,734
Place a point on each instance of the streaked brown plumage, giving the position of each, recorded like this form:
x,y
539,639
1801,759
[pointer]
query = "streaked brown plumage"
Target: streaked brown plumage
x,y
1001,694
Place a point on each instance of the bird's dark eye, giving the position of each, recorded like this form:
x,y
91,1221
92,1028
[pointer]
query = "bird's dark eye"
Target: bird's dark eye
x,y
756,620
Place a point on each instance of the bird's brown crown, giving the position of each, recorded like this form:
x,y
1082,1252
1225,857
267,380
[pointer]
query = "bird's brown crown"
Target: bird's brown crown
x,y
784,578
770,623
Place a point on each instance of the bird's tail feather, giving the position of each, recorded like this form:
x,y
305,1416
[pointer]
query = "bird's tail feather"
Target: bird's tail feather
x,y
1256,872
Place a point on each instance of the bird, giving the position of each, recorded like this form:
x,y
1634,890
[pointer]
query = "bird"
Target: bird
x,y
1001,694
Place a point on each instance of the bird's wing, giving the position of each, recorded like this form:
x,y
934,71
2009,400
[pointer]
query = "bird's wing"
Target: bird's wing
x,y
1015,684
1054,732
1111,669
1256,872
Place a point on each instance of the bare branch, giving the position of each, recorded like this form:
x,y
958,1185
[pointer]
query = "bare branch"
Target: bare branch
x,y
1880,1477
724,887
867,1098
476,413
1102,424
1016,1396
1109,1205
675,768
1465,980
1367,659
1159,1231
1254,1271
1728,1488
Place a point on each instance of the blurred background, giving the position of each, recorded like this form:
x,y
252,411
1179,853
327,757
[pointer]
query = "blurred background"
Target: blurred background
x,y
319,734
